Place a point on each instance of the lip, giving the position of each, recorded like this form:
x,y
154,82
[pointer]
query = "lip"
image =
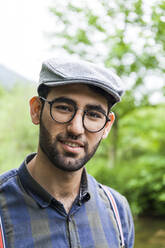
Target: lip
x,y
77,142
72,149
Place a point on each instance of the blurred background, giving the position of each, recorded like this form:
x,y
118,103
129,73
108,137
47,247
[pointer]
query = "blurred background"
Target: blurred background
x,y
128,37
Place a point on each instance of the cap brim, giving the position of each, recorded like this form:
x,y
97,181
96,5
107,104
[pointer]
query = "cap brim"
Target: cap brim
x,y
73,81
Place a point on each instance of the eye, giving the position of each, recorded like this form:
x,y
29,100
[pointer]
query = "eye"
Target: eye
x,y
94,114
63,108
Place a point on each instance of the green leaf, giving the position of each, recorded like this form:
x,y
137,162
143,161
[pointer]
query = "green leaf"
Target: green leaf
x,y
81,37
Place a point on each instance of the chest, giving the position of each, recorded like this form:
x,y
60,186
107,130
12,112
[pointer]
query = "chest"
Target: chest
x,y
90,225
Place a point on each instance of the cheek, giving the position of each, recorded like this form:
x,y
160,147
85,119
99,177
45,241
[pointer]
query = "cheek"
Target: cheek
x,y
54,128
48,122
94,139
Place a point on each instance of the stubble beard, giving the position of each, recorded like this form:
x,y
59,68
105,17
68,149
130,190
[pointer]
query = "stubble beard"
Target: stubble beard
x,y
66,161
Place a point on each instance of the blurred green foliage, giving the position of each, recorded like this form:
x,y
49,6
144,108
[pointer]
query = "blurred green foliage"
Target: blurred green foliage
x,y
18,135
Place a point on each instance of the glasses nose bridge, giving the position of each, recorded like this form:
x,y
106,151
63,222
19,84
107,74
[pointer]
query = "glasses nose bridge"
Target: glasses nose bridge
x,y
77,120
79,110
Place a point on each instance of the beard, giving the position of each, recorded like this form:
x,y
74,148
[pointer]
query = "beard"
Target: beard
x,y
65,161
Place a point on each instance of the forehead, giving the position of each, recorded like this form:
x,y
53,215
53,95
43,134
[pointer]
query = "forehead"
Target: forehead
x,y
80,93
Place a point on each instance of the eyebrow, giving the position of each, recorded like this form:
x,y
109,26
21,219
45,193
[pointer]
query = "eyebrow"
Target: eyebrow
x,y
97,107
64,99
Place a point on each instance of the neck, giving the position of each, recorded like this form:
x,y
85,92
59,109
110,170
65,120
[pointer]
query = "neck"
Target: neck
x,y
62,185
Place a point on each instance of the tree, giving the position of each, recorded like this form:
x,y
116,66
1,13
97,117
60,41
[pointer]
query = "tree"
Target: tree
x,y
126,35
18,137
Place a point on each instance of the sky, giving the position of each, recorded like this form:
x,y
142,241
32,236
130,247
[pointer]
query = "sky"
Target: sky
x,y
23,43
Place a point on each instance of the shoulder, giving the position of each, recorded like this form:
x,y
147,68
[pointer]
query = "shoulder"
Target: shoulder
x,y
120,200
125,216
123,209
122,204
7,177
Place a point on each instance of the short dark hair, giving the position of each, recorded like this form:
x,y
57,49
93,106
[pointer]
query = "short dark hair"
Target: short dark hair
x,y
44,91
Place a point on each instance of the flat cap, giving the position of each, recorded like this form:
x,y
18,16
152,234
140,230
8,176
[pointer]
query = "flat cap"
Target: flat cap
x,y
62,71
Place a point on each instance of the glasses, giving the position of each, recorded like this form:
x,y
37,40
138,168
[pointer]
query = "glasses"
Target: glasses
x,y
63,111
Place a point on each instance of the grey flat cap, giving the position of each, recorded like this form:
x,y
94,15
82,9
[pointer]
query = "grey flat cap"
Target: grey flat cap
x,y
70,71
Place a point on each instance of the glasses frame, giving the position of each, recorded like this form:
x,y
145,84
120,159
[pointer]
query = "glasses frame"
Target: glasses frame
x,y
75,108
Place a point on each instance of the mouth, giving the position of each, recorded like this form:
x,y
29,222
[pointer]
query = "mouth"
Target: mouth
x,y
72,146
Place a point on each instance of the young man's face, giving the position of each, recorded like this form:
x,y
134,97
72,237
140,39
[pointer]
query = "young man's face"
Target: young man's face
x,y
69,146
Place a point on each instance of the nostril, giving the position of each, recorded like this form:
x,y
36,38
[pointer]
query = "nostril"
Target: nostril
x,y
72,136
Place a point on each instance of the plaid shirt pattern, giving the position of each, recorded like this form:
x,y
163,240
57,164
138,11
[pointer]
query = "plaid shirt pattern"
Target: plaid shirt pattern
x,y
32,218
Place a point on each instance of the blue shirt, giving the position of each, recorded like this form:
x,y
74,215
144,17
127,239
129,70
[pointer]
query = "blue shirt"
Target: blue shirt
x,y
32,218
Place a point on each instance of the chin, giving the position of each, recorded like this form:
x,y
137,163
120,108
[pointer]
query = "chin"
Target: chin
x,y
67,164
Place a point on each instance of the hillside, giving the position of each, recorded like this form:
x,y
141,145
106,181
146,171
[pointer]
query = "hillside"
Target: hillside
x,y
9,78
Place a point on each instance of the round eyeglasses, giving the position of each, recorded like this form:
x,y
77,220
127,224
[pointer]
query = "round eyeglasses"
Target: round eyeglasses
x,y
64,111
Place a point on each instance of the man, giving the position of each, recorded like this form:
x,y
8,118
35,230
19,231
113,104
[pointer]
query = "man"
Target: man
x,y
50,201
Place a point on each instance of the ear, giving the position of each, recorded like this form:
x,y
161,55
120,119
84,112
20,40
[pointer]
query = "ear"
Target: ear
x,y
35,109
108,125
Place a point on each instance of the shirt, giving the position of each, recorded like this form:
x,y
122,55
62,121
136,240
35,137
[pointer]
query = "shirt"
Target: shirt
x,y
32,218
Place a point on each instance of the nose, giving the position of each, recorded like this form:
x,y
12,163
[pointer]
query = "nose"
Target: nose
x,y
76,125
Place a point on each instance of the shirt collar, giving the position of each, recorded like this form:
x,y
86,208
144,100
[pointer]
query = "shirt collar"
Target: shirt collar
x,y
38,193
31,186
